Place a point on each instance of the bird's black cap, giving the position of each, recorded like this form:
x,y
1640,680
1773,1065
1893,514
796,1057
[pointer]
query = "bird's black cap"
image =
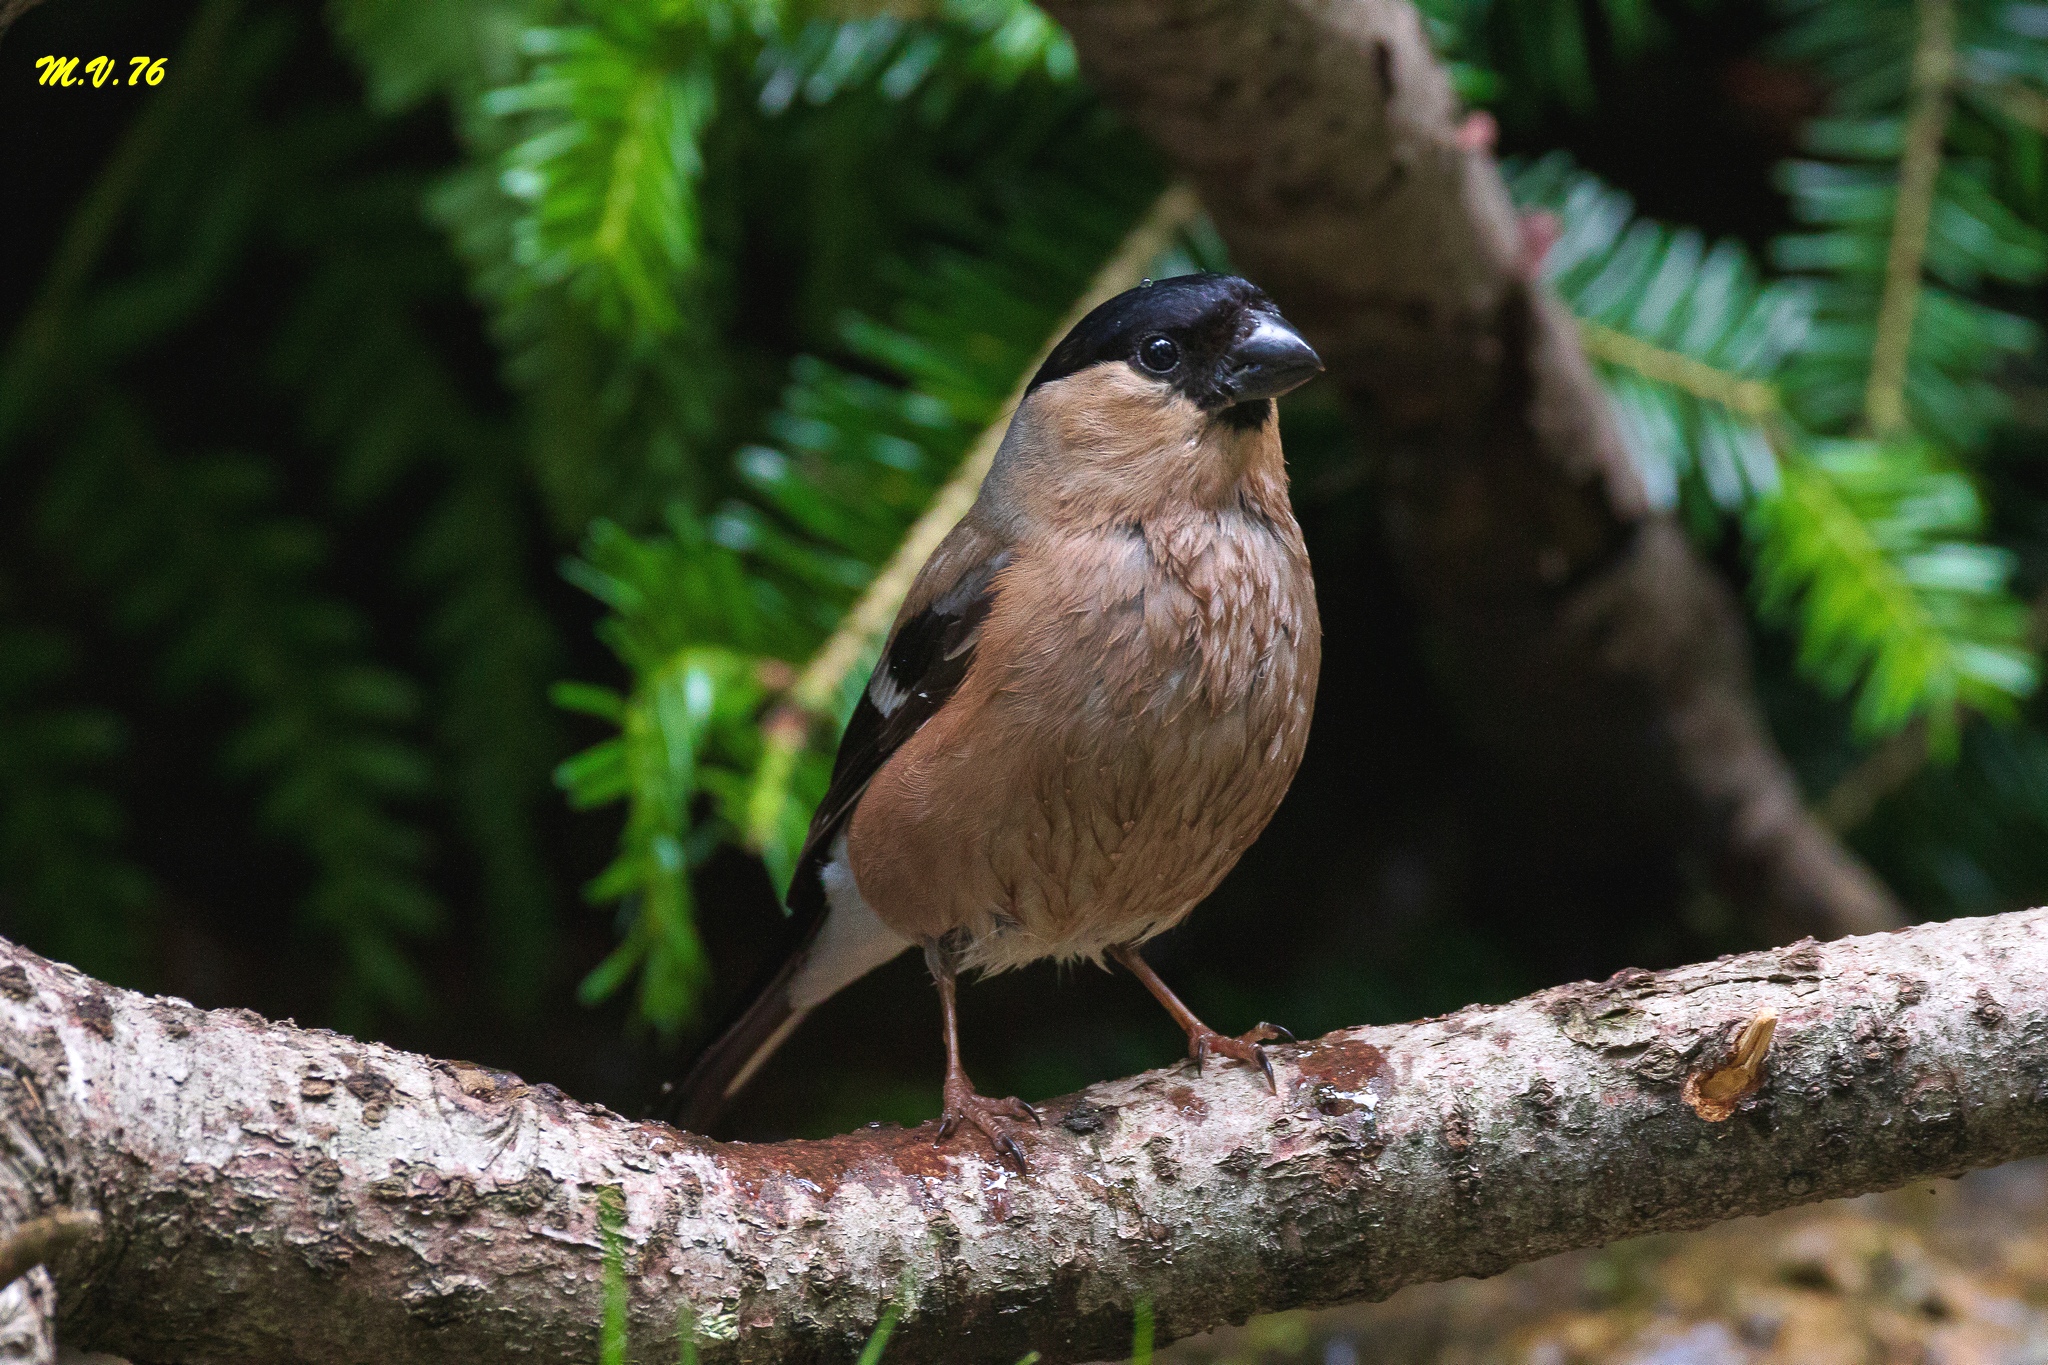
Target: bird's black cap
x,y
1230,345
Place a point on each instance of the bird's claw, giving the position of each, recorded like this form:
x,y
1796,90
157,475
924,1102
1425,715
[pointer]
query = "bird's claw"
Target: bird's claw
x,y
1244,1048
987,1115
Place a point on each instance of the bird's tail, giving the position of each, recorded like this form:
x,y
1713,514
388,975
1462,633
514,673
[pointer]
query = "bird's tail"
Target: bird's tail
x,y
835,939
747,1041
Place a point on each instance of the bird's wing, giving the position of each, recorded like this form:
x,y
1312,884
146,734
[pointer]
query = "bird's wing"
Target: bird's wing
x,y
922,665
927,656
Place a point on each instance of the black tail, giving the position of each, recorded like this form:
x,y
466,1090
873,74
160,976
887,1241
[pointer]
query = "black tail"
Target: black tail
x,y
746,1041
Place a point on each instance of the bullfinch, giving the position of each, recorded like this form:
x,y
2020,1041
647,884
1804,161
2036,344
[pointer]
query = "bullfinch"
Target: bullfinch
x,y
1092,699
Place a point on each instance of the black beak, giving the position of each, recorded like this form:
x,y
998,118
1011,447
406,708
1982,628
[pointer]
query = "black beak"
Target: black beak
x,y
1269,362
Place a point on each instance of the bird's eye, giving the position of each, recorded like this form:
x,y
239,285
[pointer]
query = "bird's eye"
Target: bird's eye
x,y
1158,354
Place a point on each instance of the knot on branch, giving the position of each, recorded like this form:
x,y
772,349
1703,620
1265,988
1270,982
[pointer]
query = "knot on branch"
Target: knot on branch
x,y
1713,1094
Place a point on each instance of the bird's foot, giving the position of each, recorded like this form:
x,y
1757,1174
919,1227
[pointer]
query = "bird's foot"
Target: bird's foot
x,y
964,1106
1205,1042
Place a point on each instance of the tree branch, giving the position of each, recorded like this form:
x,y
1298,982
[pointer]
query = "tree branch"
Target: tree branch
x,y
270,1193
1586,643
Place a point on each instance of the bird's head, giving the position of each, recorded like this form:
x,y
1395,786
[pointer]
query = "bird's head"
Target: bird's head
x,y
1164,393
1215,341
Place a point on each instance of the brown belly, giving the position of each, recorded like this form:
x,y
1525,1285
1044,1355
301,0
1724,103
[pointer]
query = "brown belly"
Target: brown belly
x,y
1099,772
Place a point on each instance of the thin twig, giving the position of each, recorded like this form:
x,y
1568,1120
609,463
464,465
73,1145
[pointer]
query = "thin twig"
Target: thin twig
x,y
815,694
2021,103
1884,770
12,10
41,1240
1934,63
1756,399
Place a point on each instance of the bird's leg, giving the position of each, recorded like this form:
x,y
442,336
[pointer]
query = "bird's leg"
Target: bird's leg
x,y
1203,1041
961,1101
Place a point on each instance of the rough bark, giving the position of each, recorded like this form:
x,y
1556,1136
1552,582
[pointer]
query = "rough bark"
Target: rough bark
x,y
271,1194
1594,652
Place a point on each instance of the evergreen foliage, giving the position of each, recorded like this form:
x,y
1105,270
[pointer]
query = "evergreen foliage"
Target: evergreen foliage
x,y
1869,547
1522,54
1862,494
61,827
757,274
218,565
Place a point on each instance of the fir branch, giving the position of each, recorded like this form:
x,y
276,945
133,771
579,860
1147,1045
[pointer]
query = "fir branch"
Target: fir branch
x,y
194,556
380,401
1894,764
191,550
1755,399
1903,611
816,693
1934,61
65,876
610,119
1690,337
1897,600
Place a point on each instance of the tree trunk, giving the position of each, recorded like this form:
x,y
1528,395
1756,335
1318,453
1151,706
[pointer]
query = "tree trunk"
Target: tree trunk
x,y
1590,648
271,1194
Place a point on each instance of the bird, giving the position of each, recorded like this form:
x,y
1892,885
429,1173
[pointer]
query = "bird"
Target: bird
x,y
1092,700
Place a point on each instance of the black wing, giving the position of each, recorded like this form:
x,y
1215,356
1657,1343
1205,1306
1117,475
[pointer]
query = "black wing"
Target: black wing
x,y
921,667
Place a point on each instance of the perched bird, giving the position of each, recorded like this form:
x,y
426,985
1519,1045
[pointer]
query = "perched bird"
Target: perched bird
x,y
1093,698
